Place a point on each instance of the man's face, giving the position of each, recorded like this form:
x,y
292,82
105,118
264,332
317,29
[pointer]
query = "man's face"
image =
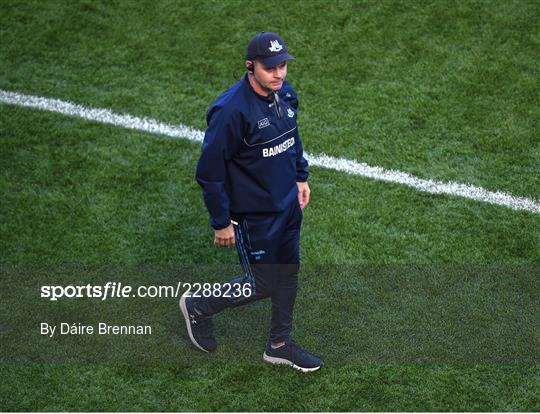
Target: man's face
x,y
270,79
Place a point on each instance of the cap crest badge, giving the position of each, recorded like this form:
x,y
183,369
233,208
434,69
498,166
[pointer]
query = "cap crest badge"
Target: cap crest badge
x,y
275,46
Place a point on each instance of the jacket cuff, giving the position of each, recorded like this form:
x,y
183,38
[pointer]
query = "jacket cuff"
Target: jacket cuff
x,y
220,224
302,176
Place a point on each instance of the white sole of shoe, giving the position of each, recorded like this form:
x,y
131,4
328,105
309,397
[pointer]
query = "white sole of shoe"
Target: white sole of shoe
x,y
183,309
281,361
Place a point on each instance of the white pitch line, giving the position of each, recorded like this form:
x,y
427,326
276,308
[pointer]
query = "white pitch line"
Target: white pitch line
x,y
321,160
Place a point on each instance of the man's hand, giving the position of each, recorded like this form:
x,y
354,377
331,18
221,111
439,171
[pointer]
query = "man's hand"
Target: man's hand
x,y
224,237
303,194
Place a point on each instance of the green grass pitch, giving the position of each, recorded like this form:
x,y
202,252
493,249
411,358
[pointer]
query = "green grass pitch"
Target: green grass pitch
x,y
417,302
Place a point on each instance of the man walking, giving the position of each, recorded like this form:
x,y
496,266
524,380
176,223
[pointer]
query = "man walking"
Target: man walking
x,y
254,181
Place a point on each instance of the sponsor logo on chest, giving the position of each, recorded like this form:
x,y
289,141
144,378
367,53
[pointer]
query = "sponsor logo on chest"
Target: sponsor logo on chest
x,y
278,149
263,123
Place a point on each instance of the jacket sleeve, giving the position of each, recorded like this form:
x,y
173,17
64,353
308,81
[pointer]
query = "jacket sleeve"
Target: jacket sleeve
x,y
301,163
221,142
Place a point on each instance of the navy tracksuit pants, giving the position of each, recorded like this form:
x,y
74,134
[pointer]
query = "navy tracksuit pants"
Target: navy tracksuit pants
x,y
268,246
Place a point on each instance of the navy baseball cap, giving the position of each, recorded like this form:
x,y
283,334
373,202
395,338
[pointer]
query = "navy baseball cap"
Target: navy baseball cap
x,y
269,48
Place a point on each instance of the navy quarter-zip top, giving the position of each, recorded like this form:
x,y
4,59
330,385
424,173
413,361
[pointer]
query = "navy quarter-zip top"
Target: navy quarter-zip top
x,y
252,155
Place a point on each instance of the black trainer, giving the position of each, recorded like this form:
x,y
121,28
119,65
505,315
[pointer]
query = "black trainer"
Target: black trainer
x,y
199,327
291,354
